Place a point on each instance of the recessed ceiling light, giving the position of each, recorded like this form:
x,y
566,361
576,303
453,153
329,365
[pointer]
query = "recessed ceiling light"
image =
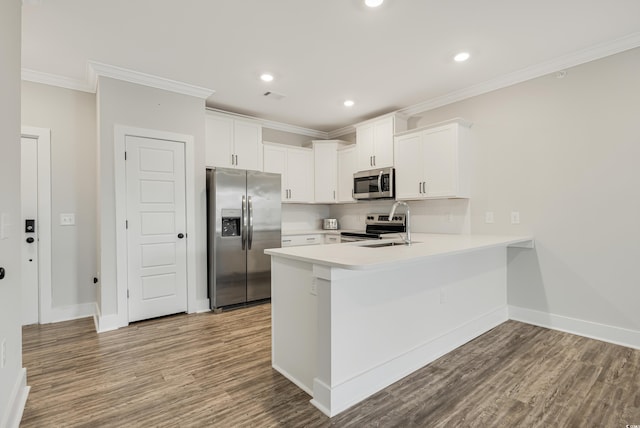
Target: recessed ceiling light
x,y
266,77
349,103
373,3
461,57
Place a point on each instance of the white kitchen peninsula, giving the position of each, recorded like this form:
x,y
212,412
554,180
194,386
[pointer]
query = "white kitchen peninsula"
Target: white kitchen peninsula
x,y
349,320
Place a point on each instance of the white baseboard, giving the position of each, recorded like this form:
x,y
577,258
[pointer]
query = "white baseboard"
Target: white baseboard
x,y
333,400
105,322
202,306
606,333
71,312
17,401
292,379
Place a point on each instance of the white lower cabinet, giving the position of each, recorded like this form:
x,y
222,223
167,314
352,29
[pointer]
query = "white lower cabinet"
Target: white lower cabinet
x,y
299,240
295,164
433,163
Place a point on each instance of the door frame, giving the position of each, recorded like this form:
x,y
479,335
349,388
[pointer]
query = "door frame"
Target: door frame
x,y
43,142
122,263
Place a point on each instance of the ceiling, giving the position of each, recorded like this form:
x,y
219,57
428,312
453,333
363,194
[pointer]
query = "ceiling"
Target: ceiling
x,y
325,51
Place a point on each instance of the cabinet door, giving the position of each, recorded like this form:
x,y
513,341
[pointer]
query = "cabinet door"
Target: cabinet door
x,y
409,166
219,141
383,143
365,147
440,161
300,175
346,167
325,161
275,160
247,138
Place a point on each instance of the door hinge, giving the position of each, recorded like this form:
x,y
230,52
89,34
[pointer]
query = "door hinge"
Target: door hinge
x,y
126,224
125,155
127,294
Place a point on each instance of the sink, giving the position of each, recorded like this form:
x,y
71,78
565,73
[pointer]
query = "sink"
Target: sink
x,y
387,244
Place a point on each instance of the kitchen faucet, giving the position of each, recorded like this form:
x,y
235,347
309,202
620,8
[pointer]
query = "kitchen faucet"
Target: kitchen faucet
x,y
406,240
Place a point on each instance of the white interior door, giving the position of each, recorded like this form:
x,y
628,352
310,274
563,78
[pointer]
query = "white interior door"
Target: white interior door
x,y
156,227
30,242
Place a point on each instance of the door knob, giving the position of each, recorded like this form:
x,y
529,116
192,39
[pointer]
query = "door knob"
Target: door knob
x,y
180,235
30,240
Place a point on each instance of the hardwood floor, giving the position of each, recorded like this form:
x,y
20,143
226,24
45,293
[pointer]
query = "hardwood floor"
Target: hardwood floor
x,y
214,370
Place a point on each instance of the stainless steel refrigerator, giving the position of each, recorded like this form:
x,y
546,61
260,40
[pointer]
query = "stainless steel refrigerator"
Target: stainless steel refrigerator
x,y
244,218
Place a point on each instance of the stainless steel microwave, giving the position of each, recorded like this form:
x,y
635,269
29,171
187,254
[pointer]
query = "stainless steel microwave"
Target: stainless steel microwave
x,y
374,184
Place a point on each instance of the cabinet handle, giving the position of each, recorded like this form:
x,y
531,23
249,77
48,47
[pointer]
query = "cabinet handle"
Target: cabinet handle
x,y
419,186
232,161
370,160
424,187
334,195
311,239
374,160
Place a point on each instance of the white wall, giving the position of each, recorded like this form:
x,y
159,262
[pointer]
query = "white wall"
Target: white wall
x,y
11,375
564,153
139,106
71,116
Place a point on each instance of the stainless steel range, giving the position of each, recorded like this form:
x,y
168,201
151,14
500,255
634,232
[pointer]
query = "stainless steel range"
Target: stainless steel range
x,y
377,226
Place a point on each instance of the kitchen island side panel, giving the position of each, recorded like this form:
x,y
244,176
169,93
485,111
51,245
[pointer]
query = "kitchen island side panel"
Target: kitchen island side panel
x,y
367,329
293,321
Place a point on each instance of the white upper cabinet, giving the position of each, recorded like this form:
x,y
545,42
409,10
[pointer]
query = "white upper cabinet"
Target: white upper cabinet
x,y
374,142
347,165
295,164
326,176
433,163
232,143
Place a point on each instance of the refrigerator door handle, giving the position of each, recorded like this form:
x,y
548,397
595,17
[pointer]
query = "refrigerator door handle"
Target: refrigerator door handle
x,y
250,215
244,222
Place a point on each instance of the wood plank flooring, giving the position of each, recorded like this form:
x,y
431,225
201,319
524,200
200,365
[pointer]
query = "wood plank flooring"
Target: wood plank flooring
x,y
215,370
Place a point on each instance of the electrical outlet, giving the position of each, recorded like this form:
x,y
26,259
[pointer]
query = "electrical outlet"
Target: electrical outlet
x,y
3,354
488,217
449,218
314,287
515,217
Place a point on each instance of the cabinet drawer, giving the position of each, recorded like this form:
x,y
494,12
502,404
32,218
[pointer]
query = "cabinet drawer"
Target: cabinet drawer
x,y
298,240
331,239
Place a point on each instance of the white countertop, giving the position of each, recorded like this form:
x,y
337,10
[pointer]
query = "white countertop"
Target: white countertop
x,y
356,256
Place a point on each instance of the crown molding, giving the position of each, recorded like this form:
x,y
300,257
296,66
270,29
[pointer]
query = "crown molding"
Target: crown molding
x,y
55,80
271,124
583,56
349,129
106,70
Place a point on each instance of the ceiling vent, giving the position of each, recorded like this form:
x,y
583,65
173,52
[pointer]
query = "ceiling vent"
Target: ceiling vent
x,y
274,95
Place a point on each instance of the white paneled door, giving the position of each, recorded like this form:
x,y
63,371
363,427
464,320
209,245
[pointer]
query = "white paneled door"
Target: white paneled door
x,y
156,227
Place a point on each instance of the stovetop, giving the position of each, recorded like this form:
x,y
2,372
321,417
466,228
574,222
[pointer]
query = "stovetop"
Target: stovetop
x,y
379,224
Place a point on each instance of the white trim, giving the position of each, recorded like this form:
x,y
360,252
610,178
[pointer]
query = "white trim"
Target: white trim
x,y
333,400
349,129
17,401
72,312
43,137
120,134
60,81
270,124
592,53
606,333
106,322
202,305
295,381
111,71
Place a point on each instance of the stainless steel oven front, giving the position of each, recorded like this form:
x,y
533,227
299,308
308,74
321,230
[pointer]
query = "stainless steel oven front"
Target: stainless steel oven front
x,y
374,184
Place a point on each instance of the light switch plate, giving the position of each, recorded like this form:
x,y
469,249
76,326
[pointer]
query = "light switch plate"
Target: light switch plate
x,y
68,219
